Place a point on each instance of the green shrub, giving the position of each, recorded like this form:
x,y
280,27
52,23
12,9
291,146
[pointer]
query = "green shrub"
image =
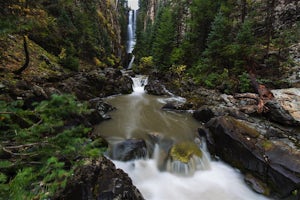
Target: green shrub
x,y
46,145
245,83
211,80
70,62
145,65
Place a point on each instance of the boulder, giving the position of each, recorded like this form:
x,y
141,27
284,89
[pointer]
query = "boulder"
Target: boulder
x,y
99,110
169,106
99,180
185,158
96,83
285,108
203,114
155,87
129,149
278,114
243,145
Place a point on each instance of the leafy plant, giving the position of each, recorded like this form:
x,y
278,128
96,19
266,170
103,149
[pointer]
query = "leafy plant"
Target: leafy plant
x,y
43,146
245,82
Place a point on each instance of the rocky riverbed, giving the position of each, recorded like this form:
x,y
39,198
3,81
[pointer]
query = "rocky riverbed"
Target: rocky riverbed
x,y
265,146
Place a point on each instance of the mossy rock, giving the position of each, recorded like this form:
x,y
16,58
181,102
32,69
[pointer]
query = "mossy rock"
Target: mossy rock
x,y
184,151
244,128
267,145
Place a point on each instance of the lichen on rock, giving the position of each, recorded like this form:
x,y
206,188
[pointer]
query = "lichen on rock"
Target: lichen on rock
x,y
184,151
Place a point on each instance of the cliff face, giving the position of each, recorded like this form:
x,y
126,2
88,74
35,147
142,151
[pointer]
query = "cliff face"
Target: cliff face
x,y
286,13
93,31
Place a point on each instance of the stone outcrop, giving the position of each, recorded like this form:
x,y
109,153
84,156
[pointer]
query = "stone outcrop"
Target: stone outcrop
x,y
85,86
155,87
99,180
289,101
264,146
255,148
129,149
97,83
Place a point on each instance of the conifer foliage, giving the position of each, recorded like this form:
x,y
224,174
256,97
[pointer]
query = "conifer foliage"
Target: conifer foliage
x,y
219,41
40,148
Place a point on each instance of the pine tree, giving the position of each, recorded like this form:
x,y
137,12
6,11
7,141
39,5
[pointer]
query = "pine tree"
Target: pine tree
x,y
217,42
164,40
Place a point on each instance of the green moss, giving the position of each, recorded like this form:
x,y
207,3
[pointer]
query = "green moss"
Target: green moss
x,y
295,192
244,128
267,145
184,151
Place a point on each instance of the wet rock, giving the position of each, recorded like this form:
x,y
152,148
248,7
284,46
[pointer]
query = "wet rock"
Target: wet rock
x,y
99,180
242,144
169,106
100,110
129,149
203,114
185,158
257,185
155,87
184,151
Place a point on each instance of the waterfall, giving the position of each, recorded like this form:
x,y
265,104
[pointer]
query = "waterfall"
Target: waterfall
x,y
131,62
131,31
140,116
139,83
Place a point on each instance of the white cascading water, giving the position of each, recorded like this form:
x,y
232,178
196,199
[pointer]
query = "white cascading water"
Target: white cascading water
x,y
131,30
211,180
139,83
221,182
139,115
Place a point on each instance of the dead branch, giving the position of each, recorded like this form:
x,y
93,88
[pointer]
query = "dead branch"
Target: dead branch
x,y
264,93
247,95
16,154
21,146
10,113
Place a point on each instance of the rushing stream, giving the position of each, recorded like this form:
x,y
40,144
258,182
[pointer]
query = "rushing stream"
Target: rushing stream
x,y
139,115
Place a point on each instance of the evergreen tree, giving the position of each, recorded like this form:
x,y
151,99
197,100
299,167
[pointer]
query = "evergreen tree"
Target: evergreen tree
x,y
218,41
202,15
164,40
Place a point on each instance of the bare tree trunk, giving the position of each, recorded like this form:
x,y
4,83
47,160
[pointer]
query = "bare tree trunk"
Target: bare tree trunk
x,y
269,22
244,10
19,71
264,93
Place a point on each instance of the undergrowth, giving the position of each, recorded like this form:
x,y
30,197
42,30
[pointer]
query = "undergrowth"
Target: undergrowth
x,y
40,148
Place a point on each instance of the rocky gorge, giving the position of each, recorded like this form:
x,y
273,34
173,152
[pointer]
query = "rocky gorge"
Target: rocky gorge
x,y
262,144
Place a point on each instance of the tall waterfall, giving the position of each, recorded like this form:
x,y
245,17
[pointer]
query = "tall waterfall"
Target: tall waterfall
x,y
131,29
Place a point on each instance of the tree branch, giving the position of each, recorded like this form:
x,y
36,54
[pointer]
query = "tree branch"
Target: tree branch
x,y
19,71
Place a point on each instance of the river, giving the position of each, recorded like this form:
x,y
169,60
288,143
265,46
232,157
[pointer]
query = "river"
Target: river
x,y
139,115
